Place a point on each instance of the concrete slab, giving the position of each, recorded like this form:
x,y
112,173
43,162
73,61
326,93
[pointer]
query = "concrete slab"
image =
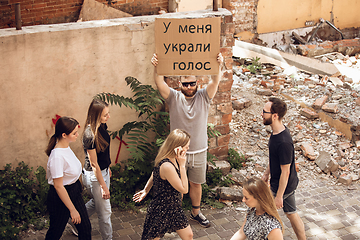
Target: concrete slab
x,y
285,60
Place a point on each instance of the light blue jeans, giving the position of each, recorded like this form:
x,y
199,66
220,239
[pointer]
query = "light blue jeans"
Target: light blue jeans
x,y
97,204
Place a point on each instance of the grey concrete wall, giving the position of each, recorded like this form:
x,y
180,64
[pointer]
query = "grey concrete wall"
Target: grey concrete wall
x,y
56,69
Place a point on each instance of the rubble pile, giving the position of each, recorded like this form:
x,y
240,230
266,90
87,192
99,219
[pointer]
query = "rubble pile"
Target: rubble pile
x,y
320,150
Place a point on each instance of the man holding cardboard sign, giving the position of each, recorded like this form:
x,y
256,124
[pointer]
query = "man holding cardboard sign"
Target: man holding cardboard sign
x,y
189,47
189,111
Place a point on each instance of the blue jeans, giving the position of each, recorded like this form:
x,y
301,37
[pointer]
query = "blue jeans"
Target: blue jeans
x,y
97,204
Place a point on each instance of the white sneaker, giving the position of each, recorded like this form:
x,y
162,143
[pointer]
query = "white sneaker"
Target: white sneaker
x,y
71,225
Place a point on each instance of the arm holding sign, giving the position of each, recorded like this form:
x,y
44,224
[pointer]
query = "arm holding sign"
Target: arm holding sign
x,y
163,88
213,85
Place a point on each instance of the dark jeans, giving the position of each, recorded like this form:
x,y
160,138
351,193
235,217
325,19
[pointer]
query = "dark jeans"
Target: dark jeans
x,y
59,213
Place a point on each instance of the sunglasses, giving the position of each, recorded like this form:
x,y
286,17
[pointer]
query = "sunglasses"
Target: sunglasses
x,y
186,84
266,112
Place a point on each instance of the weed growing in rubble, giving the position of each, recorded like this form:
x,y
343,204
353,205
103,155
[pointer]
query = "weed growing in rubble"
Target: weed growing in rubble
x,y
255,65
236,160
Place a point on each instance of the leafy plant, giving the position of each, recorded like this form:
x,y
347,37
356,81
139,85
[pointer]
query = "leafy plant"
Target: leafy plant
x,y
210,197
255,65
235,159
146,102
211,132
216,178
22,198
42,188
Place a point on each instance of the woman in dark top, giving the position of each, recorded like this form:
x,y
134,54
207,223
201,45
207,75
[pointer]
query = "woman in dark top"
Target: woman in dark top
x,y
169,179
262,219
96,177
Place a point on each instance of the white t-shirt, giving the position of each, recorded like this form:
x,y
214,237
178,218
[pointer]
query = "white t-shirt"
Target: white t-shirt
x,y
63,163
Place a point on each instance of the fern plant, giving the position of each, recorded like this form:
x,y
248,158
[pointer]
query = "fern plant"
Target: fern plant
x,y
146,102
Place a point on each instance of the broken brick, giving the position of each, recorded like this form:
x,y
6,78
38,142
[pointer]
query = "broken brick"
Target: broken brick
x,y
238,104
224,166
336,81
241,103
267,84
357,101
330,107
224,108
326,163
228,193
357,144
309,113
265,92
345,179
319,102
308,150
343,146
324,80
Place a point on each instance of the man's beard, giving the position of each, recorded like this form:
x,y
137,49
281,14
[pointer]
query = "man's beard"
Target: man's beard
x,y
189,94
267,121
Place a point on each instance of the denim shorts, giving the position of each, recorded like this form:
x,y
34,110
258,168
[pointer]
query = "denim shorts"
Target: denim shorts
x,y
289,205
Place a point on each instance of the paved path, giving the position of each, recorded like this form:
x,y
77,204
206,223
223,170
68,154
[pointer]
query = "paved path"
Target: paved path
x,y
328,211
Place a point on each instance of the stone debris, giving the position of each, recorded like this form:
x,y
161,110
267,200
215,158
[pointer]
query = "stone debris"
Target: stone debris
x,y
309,113
224,166
321,151
239,103
326,163
345,179
330,107
265,92
238,176
227,193
308,150
319,102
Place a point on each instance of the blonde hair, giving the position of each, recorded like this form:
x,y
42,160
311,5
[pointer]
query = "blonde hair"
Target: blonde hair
x,y
257,188
176,138
94,120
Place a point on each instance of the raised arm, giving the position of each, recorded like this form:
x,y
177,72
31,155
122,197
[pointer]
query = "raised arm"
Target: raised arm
x,y
213,85
159,80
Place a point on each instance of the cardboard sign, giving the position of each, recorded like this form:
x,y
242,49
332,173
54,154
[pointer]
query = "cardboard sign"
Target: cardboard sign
x,y
187,46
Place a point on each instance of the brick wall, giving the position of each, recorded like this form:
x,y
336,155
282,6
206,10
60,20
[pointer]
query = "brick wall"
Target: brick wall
x,y
139,7
244,13
220,111
35,12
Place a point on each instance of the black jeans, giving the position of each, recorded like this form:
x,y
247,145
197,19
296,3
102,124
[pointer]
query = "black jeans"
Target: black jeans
x,y
59,213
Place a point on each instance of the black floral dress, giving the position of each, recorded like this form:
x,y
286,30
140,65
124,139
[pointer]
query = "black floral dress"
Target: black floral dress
x,y
164,214
258,227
